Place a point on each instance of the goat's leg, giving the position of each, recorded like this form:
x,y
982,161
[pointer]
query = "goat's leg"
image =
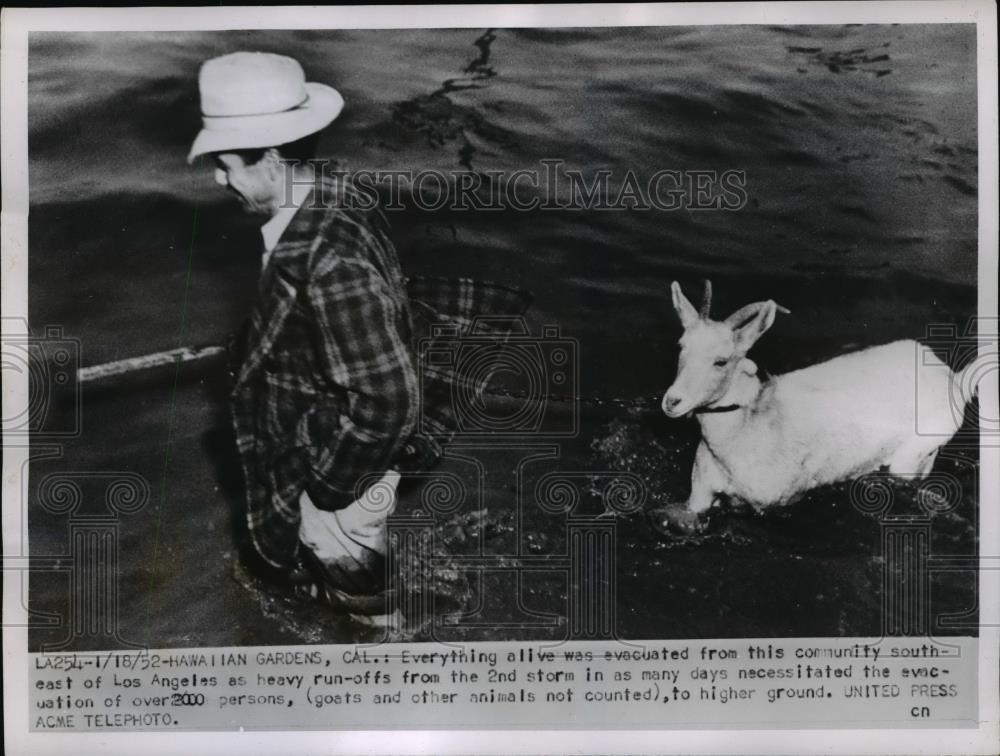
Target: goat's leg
x,y
927,464
706,483
704,493
911,461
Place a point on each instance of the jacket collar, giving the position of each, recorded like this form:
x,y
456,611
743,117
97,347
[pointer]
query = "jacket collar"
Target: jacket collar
x,y
275,227
285,271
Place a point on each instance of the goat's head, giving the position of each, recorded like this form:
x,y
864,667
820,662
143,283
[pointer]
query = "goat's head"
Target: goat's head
x,y
713,353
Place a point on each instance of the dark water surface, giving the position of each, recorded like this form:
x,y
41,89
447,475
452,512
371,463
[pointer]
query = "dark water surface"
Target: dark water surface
x,y
859,148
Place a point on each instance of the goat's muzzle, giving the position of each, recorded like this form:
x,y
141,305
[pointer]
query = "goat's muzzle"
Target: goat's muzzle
x,y
670,404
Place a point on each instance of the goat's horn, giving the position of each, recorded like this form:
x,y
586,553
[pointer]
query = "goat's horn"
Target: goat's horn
x,y
706,301
782,310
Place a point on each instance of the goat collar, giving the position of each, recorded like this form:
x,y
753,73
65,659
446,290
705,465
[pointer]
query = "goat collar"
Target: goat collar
x,y
721,408
750,387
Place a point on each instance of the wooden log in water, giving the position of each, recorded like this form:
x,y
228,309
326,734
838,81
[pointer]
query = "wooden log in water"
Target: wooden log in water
x,y
147,361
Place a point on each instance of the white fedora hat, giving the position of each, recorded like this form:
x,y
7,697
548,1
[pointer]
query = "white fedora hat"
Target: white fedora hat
x,y
254,99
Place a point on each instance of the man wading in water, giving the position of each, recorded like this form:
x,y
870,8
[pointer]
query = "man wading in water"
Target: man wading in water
x,y
327,402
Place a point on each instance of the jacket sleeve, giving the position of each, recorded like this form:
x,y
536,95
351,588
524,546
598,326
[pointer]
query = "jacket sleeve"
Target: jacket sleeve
x,y
362,349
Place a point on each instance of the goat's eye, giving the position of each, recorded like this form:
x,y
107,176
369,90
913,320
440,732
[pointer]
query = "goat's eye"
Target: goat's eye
x,y
721,362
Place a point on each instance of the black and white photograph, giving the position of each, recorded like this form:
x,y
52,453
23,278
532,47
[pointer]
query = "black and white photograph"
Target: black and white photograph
x,y
538,334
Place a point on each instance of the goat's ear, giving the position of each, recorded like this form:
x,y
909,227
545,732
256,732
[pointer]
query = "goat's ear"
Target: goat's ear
x,y
749,323
685,310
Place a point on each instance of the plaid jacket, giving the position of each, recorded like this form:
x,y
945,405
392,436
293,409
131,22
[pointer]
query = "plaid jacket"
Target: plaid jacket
x,y
326,394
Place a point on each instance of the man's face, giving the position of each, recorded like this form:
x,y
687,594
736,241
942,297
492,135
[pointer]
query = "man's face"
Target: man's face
x,y
254,185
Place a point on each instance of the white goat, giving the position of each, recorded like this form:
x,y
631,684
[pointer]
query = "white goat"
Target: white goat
x,y
767,442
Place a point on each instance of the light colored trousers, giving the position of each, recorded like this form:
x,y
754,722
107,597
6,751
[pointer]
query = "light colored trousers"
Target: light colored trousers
x,y
347,532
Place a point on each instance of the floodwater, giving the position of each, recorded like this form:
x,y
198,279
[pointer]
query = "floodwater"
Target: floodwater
x,y
859,149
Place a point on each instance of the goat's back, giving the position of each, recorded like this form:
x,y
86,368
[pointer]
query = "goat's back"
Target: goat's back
x,y
901,374
834,421
859,410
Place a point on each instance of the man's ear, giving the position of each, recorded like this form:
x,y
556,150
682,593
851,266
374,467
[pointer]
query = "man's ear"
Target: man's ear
x,y
750,323
272,162
684,309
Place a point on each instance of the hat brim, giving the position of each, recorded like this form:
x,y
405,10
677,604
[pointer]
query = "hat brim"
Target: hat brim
x,y
220,134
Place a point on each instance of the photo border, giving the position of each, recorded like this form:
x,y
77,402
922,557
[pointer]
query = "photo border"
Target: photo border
x,y
17,23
